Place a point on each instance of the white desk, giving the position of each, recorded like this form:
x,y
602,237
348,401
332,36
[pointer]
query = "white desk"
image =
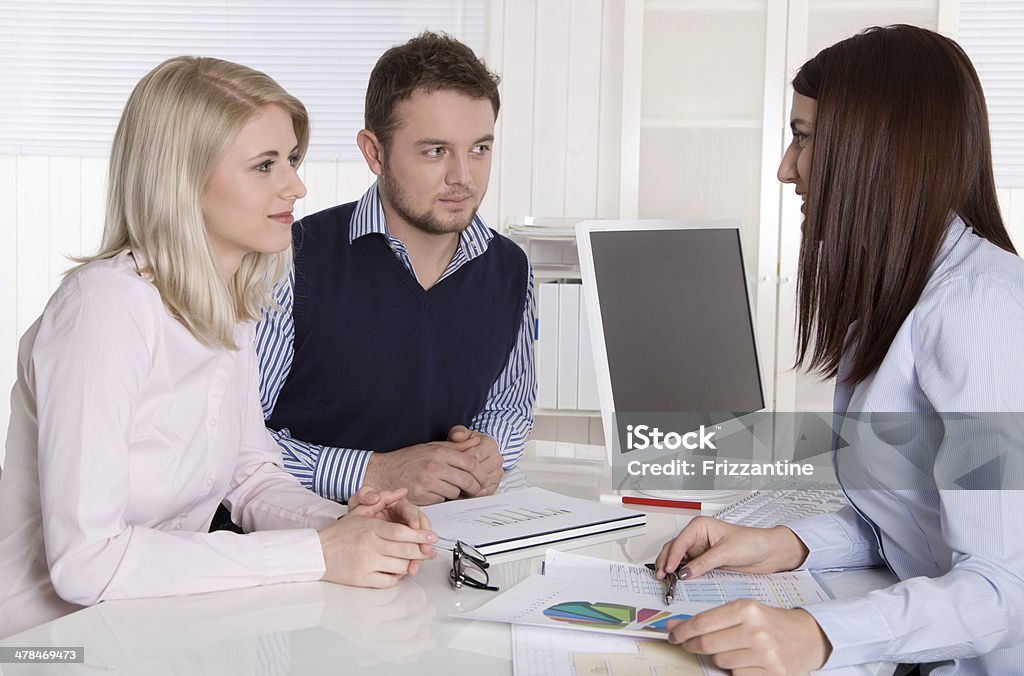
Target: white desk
x,y
321,628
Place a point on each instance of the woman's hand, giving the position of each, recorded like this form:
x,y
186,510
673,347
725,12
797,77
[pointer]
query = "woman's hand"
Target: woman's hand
x,y
395,507
382,539
388,505
750,638
706,543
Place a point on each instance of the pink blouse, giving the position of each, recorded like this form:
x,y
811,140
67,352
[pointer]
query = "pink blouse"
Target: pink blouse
x,y
126,433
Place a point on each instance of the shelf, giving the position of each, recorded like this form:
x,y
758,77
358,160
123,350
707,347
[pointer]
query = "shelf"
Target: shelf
x,y
705,6
550,244
698,123
541,237
547,273
870,5
567,413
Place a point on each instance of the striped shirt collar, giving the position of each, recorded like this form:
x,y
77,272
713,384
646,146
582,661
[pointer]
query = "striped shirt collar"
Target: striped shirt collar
x,y
368,218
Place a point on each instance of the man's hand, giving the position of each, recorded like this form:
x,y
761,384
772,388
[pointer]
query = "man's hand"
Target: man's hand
x,y
748,638
433,472
487,454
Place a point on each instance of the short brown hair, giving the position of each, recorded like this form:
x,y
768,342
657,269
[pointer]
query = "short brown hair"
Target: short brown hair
x,y
431,62
901,142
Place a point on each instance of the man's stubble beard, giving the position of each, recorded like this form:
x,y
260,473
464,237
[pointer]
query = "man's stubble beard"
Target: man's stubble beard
x,y
425,222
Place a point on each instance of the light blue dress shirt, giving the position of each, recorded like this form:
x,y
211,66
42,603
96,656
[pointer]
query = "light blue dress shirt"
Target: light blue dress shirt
x,y
337,473
959,554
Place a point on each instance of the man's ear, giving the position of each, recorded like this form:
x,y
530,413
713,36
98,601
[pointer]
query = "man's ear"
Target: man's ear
x,y
372,150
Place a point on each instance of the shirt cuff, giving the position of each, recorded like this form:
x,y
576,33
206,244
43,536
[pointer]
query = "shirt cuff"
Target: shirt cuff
x,y
340,472
856,629
510,439
501,433
291,555
835,542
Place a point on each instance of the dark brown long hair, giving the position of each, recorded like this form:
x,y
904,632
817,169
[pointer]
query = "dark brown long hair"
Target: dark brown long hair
x,y
901,141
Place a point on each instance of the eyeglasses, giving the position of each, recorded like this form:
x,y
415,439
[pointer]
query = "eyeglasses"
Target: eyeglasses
x,y
469,567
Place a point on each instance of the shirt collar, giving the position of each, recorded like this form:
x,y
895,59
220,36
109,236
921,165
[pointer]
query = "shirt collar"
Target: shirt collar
x,y
955,230
368,218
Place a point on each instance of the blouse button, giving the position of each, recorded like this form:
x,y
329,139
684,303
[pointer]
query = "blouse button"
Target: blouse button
x,y
213,422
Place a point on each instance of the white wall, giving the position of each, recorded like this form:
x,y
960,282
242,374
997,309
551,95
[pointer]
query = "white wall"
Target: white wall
x,y
557,154
559,129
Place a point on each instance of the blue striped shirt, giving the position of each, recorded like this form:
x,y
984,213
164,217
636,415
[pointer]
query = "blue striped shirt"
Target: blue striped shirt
x,y
337,473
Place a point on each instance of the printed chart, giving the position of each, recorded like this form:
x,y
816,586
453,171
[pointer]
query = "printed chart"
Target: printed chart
x,y
511,515
540,600
612,615
780,590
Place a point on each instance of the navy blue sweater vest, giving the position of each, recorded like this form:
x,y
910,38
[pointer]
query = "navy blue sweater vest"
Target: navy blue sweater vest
x,y
380,363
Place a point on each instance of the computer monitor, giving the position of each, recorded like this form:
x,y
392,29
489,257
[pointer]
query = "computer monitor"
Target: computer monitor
x,y
670,322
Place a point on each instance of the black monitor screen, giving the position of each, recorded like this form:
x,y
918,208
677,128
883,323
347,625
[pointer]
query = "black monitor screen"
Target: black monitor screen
x,y
676,319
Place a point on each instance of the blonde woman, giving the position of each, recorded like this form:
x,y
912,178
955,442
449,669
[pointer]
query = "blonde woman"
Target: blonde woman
x,y
136,413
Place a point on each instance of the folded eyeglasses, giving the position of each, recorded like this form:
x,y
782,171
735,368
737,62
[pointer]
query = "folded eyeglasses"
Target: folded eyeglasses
x,y
469,566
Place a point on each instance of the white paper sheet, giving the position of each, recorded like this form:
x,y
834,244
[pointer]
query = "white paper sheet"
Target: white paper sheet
x,y
779,590
542,652
545,601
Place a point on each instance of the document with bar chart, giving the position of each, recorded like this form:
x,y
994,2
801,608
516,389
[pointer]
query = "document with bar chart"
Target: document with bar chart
x,y
527,518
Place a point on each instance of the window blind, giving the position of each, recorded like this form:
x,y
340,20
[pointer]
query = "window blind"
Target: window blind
x,y
66,68
992,34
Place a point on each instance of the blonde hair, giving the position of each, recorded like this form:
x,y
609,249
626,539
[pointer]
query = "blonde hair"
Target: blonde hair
x,y
178,122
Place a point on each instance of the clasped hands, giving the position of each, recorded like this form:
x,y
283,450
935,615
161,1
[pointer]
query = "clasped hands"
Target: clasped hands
x,y
466,464
745,636
383,538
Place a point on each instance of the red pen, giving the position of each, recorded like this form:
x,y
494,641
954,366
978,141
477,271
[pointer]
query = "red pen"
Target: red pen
x,y
650,502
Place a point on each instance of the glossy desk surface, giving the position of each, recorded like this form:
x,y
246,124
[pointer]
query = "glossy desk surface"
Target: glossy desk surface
x,y
321,628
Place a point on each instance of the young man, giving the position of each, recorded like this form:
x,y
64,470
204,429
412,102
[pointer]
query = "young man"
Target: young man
x,y
403,356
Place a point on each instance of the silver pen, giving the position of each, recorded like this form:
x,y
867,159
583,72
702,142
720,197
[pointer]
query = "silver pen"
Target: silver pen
x,y
670,586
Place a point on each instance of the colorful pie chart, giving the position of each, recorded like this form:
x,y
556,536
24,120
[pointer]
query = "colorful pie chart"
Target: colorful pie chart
x,y
605,615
